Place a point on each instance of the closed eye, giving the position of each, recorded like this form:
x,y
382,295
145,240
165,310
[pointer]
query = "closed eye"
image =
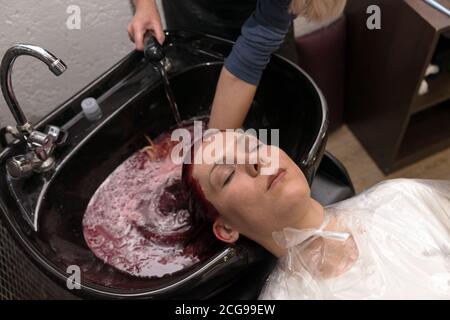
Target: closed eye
x,y
231,174
229,177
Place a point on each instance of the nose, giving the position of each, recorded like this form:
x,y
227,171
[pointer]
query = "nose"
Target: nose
x,y
253,168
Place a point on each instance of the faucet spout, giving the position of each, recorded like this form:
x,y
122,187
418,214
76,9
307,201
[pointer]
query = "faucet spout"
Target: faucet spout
x,y
56,66
39,146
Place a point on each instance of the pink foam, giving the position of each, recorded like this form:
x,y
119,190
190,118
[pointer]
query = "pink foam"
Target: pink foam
x,y
137,221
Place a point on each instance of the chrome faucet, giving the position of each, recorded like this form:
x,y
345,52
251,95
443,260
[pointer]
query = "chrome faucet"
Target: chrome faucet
x,y
39,145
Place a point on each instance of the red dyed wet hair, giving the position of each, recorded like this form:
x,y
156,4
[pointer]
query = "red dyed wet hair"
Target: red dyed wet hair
x,y
201,209
203,213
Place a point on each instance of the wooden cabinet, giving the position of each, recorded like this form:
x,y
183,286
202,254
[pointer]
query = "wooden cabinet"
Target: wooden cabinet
x,y
385,69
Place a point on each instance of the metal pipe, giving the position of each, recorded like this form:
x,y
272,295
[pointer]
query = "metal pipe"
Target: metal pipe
x,y
55,65
438,6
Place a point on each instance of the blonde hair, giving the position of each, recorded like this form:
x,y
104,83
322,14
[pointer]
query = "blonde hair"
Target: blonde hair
x,y
317,10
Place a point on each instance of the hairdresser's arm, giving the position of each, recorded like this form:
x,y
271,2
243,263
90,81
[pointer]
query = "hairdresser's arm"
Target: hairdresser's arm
x,y
262,34
232,101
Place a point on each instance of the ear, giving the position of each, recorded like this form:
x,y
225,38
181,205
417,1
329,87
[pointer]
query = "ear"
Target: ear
x,y
224,232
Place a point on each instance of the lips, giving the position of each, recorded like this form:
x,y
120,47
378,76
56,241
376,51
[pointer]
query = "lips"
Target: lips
x,y
275,177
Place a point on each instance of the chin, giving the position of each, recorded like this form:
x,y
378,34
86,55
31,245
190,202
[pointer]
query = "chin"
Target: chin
x,y
295,186
291,194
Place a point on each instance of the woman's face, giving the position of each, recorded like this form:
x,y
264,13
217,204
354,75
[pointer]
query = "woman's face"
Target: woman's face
x,y
250,202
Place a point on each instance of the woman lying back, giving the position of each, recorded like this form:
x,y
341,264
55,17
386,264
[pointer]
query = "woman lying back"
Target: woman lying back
x,y
390,242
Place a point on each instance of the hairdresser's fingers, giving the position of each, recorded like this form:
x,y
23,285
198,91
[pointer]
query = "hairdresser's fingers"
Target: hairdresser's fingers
x,y
159,34
130,32
139,38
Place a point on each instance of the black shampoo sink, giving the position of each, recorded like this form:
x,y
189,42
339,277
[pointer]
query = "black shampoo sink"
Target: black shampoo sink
x,y
133,101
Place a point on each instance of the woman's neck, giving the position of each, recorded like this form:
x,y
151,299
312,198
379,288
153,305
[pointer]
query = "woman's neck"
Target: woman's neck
x,y
339,256
309,216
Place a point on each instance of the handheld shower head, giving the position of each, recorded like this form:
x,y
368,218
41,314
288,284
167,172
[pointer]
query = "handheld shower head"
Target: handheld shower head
x,y
153,51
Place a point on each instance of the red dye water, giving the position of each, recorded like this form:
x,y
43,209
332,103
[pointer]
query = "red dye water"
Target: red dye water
x,y
137,221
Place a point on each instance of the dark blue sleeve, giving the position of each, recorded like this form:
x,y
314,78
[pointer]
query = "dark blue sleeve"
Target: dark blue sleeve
x,y
261,35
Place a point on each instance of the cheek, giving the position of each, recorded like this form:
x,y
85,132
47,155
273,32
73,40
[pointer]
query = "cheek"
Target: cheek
x,y
241,194
295,191
240,204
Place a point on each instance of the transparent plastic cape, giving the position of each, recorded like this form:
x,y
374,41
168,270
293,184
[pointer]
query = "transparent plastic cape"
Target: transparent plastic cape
x,y
390,242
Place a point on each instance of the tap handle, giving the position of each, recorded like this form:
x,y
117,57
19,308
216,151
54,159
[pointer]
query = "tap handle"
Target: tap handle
x,y
58,135
20,166
153,51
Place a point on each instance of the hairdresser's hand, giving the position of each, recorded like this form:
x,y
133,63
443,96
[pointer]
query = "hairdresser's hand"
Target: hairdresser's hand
x,y
146,19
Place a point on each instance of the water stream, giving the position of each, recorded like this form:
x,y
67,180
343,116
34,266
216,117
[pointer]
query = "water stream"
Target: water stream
x,y
169,93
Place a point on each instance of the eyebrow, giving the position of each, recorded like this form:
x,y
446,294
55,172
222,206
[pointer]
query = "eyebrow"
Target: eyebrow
x,y
216,164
